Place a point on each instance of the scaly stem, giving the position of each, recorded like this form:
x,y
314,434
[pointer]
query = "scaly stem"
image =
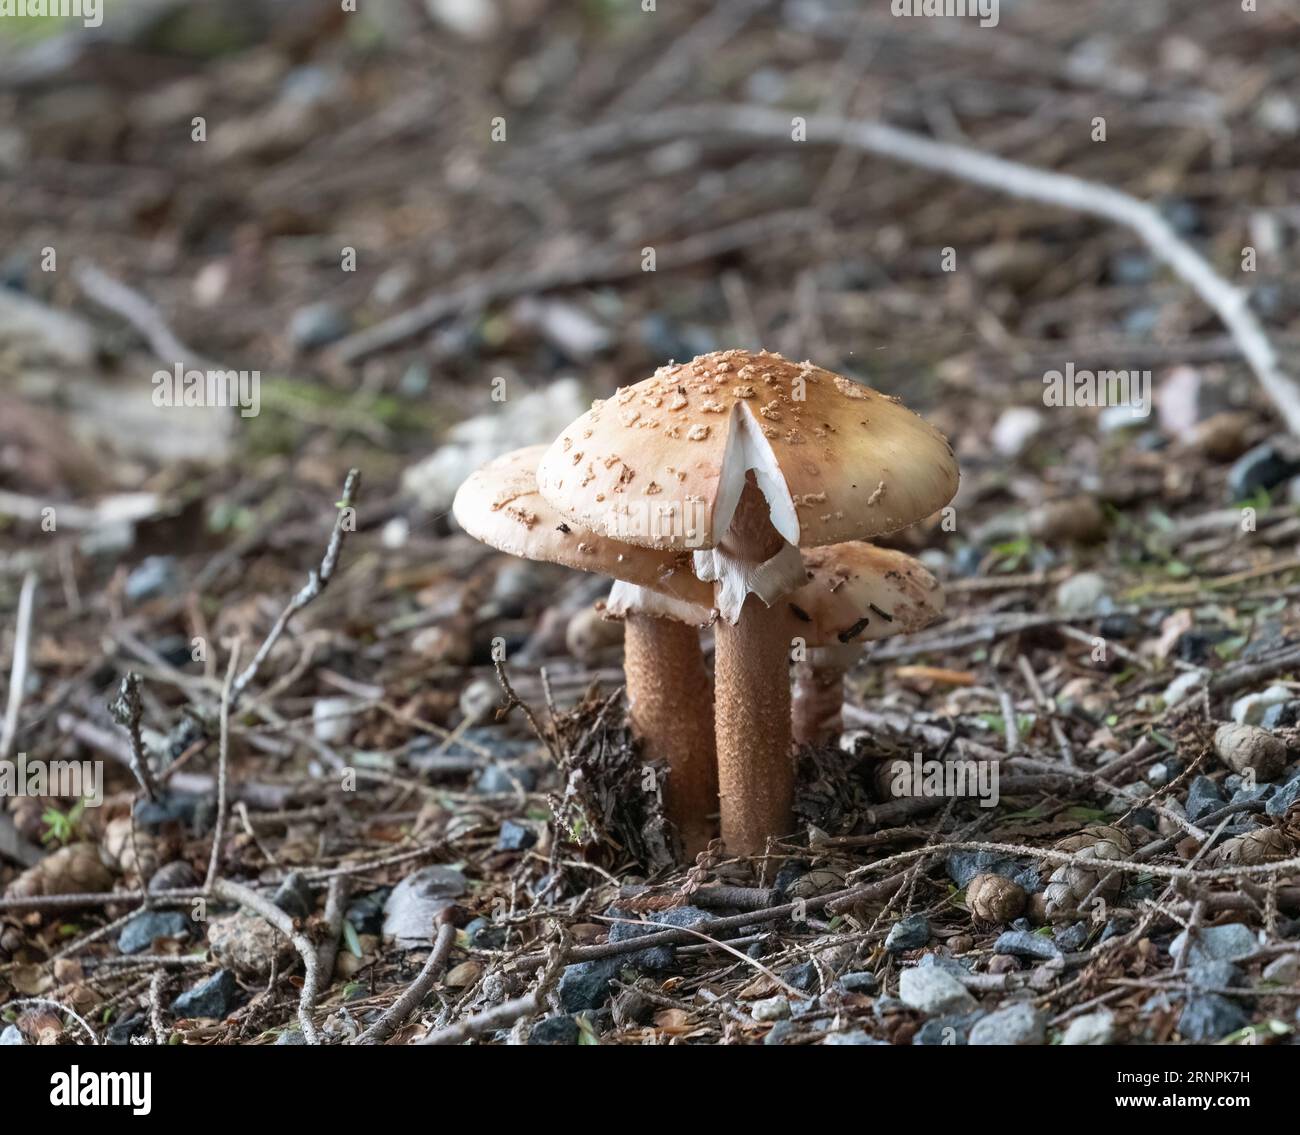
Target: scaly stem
x,y
818,711
671,704
752,698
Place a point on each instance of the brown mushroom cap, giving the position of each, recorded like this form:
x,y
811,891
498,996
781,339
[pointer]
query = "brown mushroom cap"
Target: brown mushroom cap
x,y
836,460
857,592
499,504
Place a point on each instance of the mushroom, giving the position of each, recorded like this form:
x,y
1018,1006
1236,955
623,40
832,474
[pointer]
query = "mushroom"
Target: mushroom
x,y
855,593
662,604
742,458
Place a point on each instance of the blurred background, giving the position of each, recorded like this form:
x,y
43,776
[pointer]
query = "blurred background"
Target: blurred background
x,y
427,227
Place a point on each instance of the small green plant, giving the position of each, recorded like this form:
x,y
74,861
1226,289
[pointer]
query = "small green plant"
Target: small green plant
x,y
62,828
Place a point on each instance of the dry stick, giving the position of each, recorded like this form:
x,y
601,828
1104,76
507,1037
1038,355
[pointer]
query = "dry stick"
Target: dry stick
x,y
396,1014
138,311
238,893
18,671
316,583
335,911
223,767
128,711
156,986
1018,180
507,1013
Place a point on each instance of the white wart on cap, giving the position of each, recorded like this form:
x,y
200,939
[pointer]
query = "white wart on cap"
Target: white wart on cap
x,y
663,462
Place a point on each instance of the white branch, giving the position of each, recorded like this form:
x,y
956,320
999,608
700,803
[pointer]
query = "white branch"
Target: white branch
x,y
1063,190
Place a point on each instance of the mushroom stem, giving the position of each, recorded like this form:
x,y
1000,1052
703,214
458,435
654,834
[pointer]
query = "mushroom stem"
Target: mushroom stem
x,y
752,698
818,708
671,706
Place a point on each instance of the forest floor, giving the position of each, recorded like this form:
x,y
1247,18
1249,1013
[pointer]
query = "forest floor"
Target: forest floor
x,y
1118,586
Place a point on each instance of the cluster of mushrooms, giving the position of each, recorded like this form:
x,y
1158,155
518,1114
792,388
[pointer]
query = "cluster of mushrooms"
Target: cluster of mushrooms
x,y
731,491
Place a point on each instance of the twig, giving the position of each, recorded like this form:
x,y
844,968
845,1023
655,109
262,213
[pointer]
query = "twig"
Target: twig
x,y
317,581
223,767
156,986
18,671
336,900
128,711
396,1014
1014,178
139,312
238,893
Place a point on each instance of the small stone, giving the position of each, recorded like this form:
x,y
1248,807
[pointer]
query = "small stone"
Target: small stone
x,y
1082,593
366,912
291,1036
1210,976
1264,467
417,900
500,780
1227,943
803,977
1250,710
483,934
1092,1028
317,325
153,576
657,957
1071,937
11,1035
515,837
859,983
332,720
931,990
1209,1017
1185,684
173,876
1279,804
1284,715
138,934
210,999
121,1031
562,1029
1003,963
1018,1024
947,1030
585,985
1203,797
852,1036
910,933
248,944
1024,944
1015,430
294,896
770,1009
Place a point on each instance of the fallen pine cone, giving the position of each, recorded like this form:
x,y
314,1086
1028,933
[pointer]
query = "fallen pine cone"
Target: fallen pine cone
x,y
993,898
1262,845
119,850
75,869
1071,883
1248,747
